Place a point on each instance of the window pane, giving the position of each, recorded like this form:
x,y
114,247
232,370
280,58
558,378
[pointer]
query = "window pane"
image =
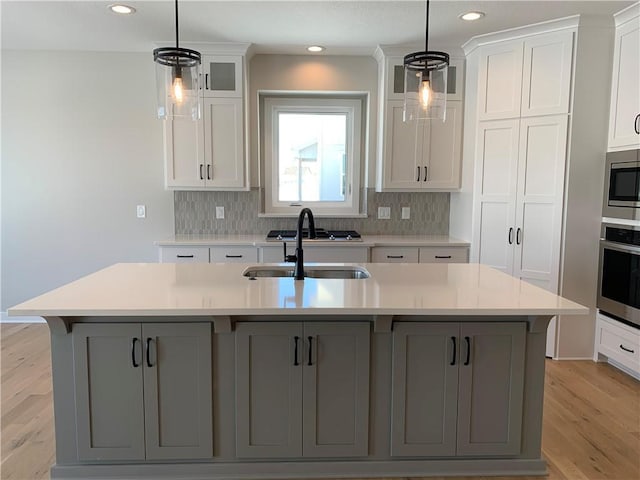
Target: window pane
x,y
311,157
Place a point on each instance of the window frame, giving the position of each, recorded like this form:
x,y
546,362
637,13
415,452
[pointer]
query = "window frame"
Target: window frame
x,y
322,104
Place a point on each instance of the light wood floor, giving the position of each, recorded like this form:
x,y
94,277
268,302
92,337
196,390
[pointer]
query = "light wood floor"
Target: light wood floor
x,y
591,414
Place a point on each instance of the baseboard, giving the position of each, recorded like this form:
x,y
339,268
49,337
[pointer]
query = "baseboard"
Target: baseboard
x,y
626,370
573,358
4,318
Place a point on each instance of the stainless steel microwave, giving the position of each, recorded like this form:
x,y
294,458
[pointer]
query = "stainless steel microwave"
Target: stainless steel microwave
x,y
622,185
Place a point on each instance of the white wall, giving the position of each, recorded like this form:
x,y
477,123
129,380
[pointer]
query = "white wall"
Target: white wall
x,y
81,147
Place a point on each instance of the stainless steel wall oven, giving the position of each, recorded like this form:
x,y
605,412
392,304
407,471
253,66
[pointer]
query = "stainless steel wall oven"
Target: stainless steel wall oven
x,y
619,274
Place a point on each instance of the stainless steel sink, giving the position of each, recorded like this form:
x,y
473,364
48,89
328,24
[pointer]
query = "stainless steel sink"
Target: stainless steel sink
x,y
329,271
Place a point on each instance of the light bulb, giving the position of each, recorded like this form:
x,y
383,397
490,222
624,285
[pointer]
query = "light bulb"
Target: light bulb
x,y
178,89
425,94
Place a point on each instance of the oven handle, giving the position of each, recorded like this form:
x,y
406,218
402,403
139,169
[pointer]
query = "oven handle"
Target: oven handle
x,y
621,247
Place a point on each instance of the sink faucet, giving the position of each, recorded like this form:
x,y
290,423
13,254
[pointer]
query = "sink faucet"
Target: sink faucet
x,y
299,257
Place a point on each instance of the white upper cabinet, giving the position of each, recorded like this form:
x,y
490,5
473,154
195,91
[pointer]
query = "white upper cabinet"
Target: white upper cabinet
x,y
222,76
418,156
526,77
624,117
209,154
546,78
500,81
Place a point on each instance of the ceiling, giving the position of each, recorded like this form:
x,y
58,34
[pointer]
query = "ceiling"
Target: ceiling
x,y
347,27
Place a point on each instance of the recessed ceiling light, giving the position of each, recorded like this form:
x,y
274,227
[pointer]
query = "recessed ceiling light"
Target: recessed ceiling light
x,y
315,48
470,16
122,9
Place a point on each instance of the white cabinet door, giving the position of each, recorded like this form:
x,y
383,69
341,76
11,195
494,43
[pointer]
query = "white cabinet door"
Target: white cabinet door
x,y
177,390
500,81
328,254
443,159
541,167
223,143
495,194
624,117
546,78
394,255
233,254
184,254
184,153
222,76
444,254
404,157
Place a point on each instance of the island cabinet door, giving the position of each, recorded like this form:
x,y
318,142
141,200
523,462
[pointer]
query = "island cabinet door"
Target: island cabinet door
x,y
177,390
269,389
491,388
108,391
425,389
336,390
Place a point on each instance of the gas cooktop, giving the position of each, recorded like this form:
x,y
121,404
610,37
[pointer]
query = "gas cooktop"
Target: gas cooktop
x,y
321,234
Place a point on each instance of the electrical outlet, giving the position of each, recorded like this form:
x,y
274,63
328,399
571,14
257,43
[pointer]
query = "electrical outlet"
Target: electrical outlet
x,y
406,213
220,212
384,213
141,211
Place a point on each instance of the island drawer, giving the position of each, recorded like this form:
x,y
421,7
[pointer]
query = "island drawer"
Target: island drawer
x,y
444,254
394,255
233,254
184,254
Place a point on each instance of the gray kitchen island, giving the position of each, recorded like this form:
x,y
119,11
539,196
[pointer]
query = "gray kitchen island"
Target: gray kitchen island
x,y
197,371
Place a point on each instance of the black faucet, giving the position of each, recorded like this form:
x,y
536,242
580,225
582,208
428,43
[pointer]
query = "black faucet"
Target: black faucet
x,y
299,257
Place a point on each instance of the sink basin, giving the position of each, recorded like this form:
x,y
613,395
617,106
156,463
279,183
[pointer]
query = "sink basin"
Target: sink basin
x,y
339,272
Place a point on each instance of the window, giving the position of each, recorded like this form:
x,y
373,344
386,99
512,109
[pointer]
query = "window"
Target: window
x,y
312,155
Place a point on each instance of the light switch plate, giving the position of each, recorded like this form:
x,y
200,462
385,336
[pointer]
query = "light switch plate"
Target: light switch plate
x,y
220,212
141,211
384,213
406,213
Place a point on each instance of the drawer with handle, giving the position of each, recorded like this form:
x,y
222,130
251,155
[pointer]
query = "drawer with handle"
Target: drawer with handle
x,y
184,255
234,254
618,342
394,255
444,254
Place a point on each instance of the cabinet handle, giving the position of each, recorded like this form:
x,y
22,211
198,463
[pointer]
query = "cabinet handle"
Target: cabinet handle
x,y
395,256
518,239
233,256
510,236
443,256
201,176
426,169
310,343
206,81
636,124
148,354
468,340
418,178
208,172
184,256
133,353
453,357
626,349
295,351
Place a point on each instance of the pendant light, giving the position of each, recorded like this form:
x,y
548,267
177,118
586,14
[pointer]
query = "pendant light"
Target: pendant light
x,y
425,82
177,76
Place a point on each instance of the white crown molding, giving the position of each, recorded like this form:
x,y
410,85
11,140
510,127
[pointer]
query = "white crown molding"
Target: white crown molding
x,y
630,13
221,48
383,51
564,23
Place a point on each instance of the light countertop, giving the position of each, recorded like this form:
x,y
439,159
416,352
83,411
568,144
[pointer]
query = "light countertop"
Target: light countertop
x,y
220,289
259,240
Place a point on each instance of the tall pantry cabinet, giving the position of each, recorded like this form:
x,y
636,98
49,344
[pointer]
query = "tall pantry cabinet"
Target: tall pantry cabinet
x,y
533,160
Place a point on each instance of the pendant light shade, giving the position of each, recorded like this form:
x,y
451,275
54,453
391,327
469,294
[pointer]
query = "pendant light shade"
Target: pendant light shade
x,y
177,80
425,82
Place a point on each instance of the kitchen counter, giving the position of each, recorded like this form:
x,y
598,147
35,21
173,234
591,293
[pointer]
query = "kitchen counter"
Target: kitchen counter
x,y
191,371
259,240
220,289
